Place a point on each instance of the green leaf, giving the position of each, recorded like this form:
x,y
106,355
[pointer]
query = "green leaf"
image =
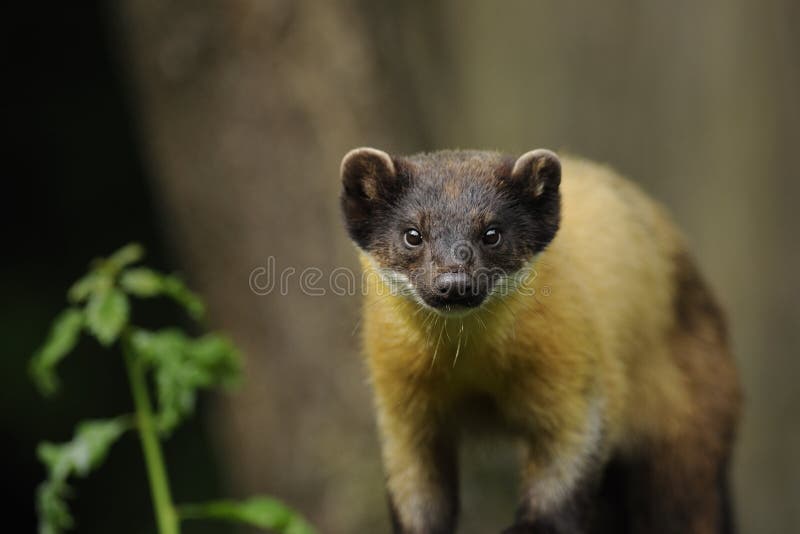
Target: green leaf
x,y
54,516
92,282
61,340
263,512
104,272
86,451
216,354
107,314
142,282
177,290
125,256
183,365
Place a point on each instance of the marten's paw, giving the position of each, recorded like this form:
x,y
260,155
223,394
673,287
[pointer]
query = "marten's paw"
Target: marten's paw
x,y
540,528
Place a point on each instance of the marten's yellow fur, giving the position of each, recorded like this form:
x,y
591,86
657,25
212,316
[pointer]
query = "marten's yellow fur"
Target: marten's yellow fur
x,y
615,350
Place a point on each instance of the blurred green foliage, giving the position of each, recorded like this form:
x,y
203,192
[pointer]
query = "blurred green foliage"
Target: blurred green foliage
x,y
180,366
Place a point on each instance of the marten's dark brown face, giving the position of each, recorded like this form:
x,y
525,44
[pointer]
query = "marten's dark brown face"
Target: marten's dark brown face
x,y
450,229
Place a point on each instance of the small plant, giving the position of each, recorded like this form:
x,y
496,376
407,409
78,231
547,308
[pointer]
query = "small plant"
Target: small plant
x,y
178,366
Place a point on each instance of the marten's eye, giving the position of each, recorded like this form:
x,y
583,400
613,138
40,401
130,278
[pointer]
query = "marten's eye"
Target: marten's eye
x,y
492,237
412,237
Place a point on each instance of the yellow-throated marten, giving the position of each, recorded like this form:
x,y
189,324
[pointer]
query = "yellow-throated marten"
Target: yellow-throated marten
x,y
551,300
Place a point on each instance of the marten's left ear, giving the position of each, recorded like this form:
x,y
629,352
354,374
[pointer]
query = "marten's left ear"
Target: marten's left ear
x,y
369,181
539,170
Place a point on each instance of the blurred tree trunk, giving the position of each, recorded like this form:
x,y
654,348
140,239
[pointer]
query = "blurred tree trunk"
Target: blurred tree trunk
x,y
246,108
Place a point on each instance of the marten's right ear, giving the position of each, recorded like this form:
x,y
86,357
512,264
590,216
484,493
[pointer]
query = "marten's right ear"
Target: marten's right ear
x,y
369,181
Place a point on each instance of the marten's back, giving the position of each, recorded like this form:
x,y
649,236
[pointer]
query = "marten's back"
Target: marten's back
x,y
619,256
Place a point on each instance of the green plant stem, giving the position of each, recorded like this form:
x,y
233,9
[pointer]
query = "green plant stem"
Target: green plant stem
x,y
166,517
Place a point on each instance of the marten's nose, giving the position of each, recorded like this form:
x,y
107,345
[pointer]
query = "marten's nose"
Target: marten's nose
x,y
453,288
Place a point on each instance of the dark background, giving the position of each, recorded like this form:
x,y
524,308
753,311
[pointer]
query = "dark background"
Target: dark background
x,y
212,132
78,190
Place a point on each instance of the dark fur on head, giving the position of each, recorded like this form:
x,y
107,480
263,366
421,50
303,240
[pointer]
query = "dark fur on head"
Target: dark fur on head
x,y
451,198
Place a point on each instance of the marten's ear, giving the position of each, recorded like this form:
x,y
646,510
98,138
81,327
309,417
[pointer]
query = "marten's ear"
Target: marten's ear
x,y
539,171
366,172
369,180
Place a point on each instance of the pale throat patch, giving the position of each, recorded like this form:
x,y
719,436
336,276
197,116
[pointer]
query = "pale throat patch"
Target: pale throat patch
x,y
521,281
393,282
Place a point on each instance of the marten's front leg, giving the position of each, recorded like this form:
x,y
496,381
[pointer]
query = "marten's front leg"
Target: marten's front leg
x,y
422,481
556,501
569,516
561,472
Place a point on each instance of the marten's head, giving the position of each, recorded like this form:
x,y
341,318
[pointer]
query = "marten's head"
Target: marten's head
x,y
449,229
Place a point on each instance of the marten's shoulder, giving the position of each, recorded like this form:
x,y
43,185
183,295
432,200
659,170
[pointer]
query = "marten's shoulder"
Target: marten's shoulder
x,y
618,245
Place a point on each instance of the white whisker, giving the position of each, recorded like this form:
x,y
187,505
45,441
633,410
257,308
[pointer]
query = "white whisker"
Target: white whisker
x,y
436,350
458,347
